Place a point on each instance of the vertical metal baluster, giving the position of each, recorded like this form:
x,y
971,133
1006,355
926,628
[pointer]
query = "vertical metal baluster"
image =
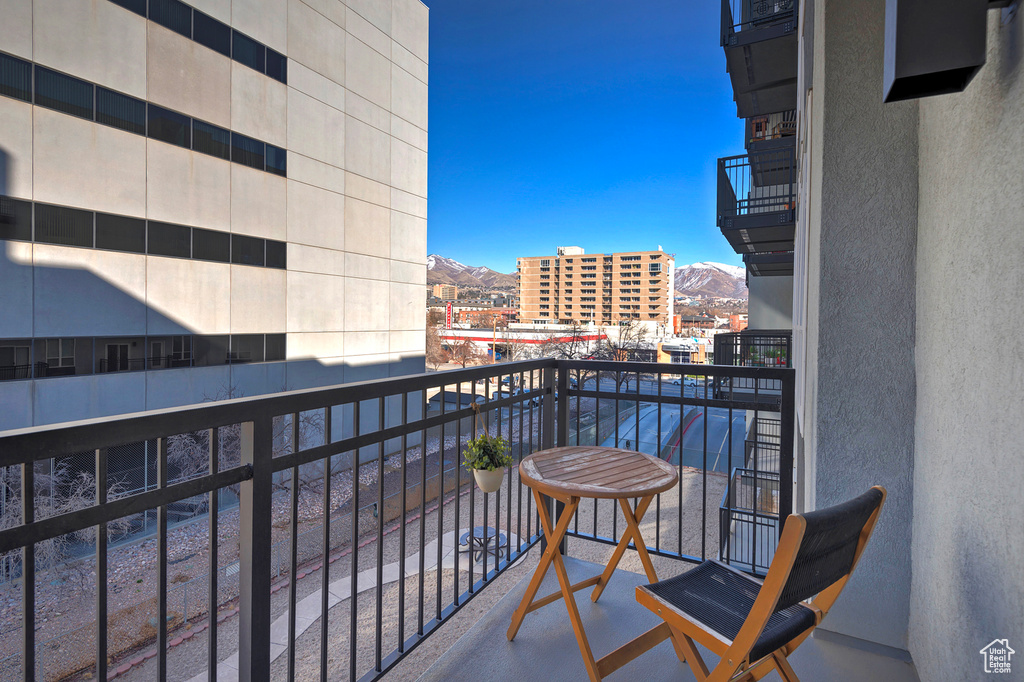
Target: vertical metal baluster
x,y
293,558
28,576
213,601
325,580
529,501
679,501
508,484
354,570
704,494
657,453
401,527
519,484
757,483
618,444
440,512
458,492
472,500
255,549
423,513
101,568
380,535
161,564
597,432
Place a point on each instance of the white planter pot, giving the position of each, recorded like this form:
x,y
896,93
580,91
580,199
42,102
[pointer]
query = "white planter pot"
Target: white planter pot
x,y
489,481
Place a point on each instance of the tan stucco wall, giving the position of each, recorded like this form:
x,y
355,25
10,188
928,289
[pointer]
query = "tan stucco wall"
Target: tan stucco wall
x,y
969,470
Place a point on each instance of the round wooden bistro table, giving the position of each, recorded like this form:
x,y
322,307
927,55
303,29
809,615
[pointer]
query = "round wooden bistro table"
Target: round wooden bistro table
x,y
569,474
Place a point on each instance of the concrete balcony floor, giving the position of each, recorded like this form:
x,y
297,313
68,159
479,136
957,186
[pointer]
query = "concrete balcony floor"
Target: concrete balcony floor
x,y
546,649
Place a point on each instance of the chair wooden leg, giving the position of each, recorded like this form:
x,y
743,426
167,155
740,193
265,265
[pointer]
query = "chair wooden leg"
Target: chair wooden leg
x,y
785,669
692,656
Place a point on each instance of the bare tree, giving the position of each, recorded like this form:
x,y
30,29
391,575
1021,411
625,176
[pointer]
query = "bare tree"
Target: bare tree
x,y
623,347
188,454
59,488
463,352
572,344
435,351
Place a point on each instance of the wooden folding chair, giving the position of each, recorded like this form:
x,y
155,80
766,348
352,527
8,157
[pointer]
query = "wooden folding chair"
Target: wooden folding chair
x,y
753,625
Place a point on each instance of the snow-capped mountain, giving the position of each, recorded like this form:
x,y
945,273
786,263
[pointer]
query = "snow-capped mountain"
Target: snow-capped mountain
x,y
711,279
441,270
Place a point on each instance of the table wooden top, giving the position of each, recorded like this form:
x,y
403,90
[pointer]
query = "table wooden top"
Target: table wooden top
x,y
590,471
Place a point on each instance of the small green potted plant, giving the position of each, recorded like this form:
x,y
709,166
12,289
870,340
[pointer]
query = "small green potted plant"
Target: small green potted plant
x,y
487,457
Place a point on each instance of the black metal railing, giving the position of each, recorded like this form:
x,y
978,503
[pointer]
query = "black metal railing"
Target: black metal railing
x,y
759,184
742,16
749,519
352,486
754,348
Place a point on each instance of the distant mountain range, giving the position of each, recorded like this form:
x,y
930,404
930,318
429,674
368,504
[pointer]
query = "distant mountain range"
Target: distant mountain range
x,y
441,270
711,279
699,279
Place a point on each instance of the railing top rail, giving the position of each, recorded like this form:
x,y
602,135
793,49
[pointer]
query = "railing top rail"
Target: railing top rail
x,y
41,442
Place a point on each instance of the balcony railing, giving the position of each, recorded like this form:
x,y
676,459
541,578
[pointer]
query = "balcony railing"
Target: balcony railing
x,y
748,20
275,476
757,200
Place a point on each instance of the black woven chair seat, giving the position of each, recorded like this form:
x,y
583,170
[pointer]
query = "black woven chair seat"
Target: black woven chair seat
x,y
721,599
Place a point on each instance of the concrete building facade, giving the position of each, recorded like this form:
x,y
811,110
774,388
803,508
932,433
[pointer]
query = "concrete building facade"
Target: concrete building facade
x,y
907,212
599,289
227,196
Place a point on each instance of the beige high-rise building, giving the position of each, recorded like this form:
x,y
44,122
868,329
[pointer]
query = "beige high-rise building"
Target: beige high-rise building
x,y
602,288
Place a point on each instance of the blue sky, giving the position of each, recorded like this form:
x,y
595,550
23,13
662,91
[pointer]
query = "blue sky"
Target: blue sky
x,y
576,122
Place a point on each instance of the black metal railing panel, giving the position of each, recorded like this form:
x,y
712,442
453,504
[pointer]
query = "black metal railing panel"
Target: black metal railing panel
x,y
739,16
349,501
694,416
756,184
359,486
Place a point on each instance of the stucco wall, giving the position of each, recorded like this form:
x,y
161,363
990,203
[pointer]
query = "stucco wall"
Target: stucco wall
x,y
771,303
968,517
860,340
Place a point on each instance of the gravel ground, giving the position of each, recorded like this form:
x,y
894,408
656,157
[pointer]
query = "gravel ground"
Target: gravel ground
x,y
132,576
190,657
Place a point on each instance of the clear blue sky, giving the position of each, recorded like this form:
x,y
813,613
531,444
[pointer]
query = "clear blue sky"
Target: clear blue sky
x,y
593,123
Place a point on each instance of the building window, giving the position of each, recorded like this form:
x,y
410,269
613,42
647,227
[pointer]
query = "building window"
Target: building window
x,y
165,239
15,219
276,161
247,151
15,78
277,255
15,361
654,267
63,93
115,358
277,66
211,33
276,348
61,225
211,139
211,245
60,352
545,263
170,127
172,14
245,50
120,111
246,250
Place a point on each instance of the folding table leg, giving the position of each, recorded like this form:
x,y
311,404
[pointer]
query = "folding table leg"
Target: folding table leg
x,y
554,537
620,549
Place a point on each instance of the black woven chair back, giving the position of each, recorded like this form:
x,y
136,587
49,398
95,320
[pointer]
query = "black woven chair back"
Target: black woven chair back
x,y
828,548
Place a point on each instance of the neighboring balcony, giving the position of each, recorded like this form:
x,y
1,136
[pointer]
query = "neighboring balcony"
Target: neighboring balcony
x,y
760,42
757,200
769,264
